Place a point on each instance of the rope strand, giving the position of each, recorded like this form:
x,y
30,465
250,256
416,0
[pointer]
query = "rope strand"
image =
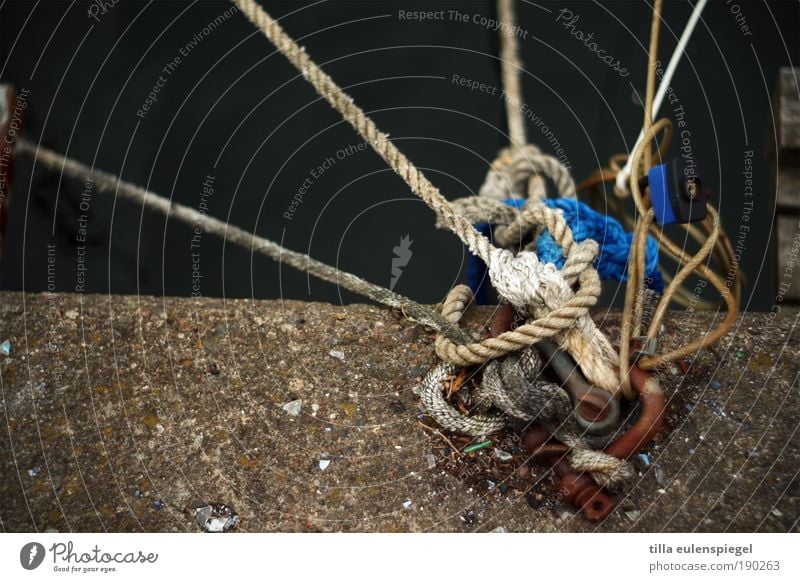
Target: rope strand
x,y
510,67
111,184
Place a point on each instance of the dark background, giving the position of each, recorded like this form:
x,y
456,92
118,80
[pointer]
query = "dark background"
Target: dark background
x,y
234,100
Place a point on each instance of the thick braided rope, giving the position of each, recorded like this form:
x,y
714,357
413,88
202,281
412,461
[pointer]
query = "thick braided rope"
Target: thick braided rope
x,y
523,280
432,398
477,209
355,116
512,225
525,335
584,340
551,292
512,386
105,182
592,355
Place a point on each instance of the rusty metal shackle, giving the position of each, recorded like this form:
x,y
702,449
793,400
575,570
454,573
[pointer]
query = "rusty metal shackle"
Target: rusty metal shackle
x,y
577,489
596,411
651,417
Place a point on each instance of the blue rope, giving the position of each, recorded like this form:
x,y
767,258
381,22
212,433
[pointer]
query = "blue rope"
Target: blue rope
x,y
586,223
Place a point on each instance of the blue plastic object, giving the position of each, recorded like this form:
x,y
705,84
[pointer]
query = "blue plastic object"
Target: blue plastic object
x,y
659,195
676,193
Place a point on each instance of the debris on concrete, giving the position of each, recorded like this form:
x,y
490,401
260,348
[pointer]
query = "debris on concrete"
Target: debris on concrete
x,y
502,455
431,460
216,518
658,473
717,408
294,407
324,461
633,515
477,447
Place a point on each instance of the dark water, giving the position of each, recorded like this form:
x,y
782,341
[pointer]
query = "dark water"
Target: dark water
x,y
195,105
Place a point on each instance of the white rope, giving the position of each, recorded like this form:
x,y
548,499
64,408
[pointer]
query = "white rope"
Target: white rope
x,y
624,175
522,279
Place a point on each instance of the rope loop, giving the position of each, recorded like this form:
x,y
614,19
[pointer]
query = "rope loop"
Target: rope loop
x,y
511,173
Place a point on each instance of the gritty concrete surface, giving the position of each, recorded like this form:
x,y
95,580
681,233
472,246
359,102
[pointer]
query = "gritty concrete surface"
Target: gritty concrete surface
x,y
120,412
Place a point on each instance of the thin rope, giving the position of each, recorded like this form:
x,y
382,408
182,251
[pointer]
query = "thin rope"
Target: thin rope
x,y
510,67
652,64
106,182
624,174
631,311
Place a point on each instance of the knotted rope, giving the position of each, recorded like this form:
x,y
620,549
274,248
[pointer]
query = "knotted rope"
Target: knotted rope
x,y
533,287
510,173
522,278
514,387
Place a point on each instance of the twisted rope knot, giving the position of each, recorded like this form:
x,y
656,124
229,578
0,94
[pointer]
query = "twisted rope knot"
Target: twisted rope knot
x,y
607,470
513,387
513,175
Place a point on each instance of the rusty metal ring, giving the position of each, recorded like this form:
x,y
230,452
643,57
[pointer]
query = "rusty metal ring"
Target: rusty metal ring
x,y
653,411
577,489
607,417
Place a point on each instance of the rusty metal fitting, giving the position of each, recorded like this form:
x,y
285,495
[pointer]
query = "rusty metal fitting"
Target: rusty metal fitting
x,y
577,489
651,418
643,346
596,411
504,319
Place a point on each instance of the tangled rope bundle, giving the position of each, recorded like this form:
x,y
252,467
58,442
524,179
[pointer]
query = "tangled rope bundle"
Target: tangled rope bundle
x,y
539,290
511,379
